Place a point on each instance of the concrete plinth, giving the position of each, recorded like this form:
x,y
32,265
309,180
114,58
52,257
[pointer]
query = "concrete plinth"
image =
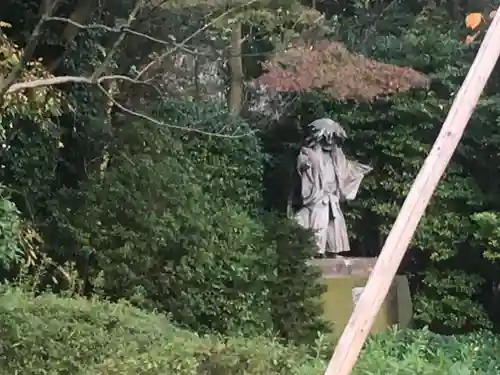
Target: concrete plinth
x,y
345,279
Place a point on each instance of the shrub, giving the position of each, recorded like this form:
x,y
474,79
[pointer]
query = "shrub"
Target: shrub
x,y
175,225
10,231
53,335
164,243
296,306
394,135
421,352
228,167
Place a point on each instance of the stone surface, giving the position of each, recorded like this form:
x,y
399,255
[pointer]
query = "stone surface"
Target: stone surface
x,y
327,178
345,278
339,267
356,293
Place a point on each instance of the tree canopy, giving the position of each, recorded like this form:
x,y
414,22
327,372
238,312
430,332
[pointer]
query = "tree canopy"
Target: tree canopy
x,y
148,148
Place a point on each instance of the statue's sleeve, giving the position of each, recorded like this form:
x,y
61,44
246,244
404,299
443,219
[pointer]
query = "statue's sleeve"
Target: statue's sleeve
x,y
350,174
307,170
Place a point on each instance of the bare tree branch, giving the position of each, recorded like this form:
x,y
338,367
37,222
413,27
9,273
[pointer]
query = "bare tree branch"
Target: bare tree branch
x,y
54,81
124,29
29,49
112,87
102,68
197,32
9,85
170,43
161,123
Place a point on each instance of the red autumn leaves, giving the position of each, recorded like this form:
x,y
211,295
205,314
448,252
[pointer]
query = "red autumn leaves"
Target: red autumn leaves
x,y
330,66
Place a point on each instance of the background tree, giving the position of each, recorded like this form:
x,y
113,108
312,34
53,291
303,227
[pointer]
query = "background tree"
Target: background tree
x,y
146,173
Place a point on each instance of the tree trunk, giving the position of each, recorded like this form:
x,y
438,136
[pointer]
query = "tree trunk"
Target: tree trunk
x,y
236,67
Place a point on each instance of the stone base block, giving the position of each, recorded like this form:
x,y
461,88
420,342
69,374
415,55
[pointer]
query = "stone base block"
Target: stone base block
x,y
345,279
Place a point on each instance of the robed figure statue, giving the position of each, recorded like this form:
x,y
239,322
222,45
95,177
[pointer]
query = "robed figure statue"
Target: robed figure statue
x,y
327,178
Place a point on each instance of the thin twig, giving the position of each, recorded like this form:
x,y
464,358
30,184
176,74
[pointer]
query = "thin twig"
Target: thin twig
x,y
161,123
193,35
28,50
102,68
124,29
54,81
184,47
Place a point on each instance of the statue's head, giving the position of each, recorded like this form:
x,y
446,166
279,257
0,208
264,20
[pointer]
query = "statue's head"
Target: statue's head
x,y
325,132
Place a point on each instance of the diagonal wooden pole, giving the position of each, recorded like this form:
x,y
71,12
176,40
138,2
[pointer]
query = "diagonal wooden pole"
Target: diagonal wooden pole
x,y
357,329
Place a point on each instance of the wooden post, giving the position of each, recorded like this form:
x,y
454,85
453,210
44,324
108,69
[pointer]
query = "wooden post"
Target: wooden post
x,y
357,329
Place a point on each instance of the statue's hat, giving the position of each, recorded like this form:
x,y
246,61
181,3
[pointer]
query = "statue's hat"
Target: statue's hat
x,y
325,127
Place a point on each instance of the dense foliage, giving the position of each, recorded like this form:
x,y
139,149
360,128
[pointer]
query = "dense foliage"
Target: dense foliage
x,y
165,213
178,214
50,334
168,190
453,256
174,225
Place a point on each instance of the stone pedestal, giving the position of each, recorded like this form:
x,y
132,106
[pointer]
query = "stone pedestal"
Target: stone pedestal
x,y
345,279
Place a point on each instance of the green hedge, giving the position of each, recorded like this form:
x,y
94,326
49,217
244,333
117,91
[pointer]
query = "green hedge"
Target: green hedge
x,y
54,335
175,227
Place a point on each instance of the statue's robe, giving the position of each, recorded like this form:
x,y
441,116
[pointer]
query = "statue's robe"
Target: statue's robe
x,y
327,178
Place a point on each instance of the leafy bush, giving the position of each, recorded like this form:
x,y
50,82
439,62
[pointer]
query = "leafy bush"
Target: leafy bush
x,y
226,167
296,308
394,135
174,225
421,352
164,237
448,297
53,335
10,231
